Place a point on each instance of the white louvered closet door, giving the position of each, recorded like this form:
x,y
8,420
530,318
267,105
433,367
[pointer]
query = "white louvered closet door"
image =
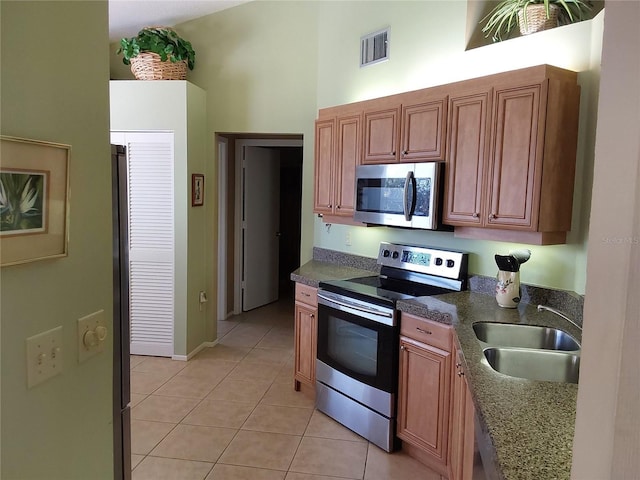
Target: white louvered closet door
x,y
151,242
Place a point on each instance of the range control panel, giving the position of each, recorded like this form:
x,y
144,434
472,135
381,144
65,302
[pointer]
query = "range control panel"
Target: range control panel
x,y
433,261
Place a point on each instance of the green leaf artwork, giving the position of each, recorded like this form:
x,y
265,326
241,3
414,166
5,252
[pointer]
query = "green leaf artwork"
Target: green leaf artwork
x,y
22,202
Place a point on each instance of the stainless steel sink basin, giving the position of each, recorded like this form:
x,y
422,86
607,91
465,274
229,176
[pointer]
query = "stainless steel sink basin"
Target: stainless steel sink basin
x,y
524,336
535,364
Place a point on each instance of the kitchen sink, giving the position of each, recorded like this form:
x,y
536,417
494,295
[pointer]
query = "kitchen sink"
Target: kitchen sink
x,y
542,365
524,336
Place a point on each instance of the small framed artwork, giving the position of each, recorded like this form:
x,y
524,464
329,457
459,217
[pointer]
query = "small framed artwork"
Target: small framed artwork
x,y
34,200
197,190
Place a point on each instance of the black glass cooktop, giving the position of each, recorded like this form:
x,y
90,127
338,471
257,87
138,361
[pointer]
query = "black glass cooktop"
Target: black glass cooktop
x,y
382,290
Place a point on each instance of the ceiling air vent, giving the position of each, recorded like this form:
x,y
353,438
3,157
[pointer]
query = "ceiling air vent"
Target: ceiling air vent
x,y
374,47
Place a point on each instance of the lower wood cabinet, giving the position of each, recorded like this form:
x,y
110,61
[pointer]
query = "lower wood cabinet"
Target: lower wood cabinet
x,y
424,390
462,439
305,335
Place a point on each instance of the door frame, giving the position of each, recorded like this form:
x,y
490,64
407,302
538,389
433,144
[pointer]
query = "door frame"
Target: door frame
x,y
223,167
238,251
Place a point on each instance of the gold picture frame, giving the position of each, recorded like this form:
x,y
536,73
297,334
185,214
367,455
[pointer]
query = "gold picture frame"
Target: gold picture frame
x,y
34,200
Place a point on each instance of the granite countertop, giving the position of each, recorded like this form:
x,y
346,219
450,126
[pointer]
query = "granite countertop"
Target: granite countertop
x,y
529,425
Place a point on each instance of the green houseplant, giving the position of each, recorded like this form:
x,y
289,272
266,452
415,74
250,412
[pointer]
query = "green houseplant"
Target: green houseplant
x,y
547,13
157,52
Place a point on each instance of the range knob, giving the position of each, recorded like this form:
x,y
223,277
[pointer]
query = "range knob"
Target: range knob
x,y
450,263
438,261
395,255
386,253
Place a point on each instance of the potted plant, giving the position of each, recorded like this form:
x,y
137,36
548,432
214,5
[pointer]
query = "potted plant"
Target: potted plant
x,y
157,53
532,16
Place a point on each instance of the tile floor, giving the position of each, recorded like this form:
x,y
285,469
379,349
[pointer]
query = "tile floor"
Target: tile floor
x,y
231,413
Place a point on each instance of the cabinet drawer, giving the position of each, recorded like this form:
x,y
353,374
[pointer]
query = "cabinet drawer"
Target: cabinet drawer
x,y
426,331
306,294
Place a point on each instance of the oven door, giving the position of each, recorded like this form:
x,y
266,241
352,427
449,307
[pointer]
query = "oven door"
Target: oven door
x,y
359,340
402,195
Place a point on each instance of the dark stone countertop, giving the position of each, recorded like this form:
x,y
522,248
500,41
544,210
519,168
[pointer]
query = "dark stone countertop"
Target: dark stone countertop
x,y
529,425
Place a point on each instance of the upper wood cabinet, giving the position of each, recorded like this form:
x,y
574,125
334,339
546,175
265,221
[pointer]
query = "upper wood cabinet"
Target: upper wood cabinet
x,y
413,131
511,158
337,152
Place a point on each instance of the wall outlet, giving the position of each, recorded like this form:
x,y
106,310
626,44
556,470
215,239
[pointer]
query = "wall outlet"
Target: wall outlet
x,y
347,239
92,333
44,356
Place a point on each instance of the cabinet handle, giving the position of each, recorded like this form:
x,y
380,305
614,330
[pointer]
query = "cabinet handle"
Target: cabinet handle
x,y
493,216
458,365
402,347
328,206
393,153
461,373
404,153
338,207
475,215
311,315
423,331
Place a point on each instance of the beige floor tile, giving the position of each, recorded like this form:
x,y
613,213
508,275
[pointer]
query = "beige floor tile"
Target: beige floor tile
x,y
135,360
160,365
232,472
306,476
278,356
224,352
136,398
207,368
242,391
156,468
217,413
146,435
191,387
283,394
192,442
273,451
285,375
163,409
338,458
278,337
225,326
145,383
255,372
242,338
323,426
397,465
135,460
277,419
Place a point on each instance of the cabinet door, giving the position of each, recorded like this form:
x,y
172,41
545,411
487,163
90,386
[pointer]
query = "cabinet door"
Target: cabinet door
x,y
516,157
347,157
423,398
466,153
381,136
423,131
324,164
305,334
461,445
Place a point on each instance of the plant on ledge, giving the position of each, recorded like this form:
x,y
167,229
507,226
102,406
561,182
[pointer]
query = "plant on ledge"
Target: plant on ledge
x,y
532,16
157,47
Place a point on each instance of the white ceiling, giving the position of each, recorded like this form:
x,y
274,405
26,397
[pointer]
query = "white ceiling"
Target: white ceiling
x,y
127,17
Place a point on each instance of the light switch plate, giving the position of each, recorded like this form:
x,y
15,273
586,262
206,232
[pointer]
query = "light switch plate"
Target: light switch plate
x,y
90,343
44,356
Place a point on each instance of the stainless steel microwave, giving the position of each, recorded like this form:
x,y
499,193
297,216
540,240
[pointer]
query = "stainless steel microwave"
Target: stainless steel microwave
x,y
399,195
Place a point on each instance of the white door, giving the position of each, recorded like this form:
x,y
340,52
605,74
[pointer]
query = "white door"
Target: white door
x,y
151,240
260,221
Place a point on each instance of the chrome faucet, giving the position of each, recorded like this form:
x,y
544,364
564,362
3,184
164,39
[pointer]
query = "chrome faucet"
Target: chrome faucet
x,y
560,314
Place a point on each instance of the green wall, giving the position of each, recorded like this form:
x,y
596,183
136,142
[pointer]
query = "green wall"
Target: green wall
x,y
55,88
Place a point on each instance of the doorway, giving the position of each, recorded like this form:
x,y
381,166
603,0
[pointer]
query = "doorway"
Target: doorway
x,y
287,186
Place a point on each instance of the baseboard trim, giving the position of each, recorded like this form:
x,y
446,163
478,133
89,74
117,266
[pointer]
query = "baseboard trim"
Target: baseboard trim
x,y
198,349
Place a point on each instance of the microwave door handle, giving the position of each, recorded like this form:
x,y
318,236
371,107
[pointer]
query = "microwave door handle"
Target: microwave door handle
x,y
409,183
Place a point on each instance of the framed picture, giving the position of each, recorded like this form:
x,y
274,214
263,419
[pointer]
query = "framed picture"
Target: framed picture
x,y
197,190
34,200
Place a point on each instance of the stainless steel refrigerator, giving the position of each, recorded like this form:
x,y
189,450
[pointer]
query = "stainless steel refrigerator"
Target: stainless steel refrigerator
x,y
121,331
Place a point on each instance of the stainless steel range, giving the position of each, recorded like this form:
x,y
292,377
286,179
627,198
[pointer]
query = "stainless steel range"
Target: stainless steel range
x,y
358,335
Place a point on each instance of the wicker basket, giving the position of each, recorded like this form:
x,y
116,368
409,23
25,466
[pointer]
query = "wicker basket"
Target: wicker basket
x,y
536,18
148,66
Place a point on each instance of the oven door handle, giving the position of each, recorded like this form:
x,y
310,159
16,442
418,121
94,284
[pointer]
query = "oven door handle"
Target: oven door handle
x,y
410,185
384,317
